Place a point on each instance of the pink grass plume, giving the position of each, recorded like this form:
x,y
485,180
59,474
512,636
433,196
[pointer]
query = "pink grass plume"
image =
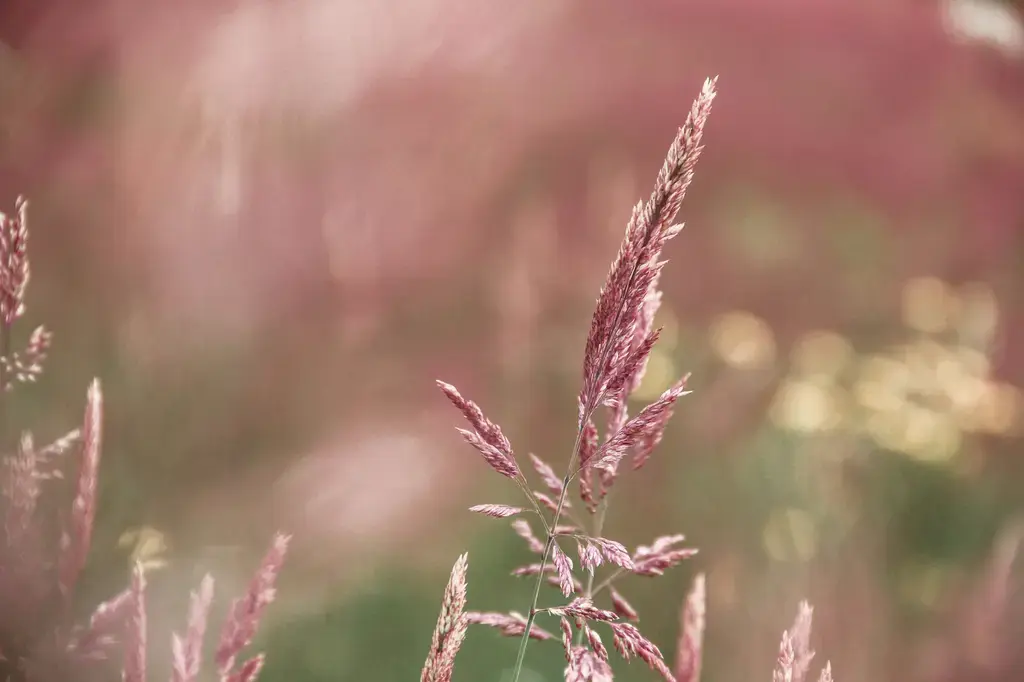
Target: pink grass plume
x,y
75,543
690,649
511,624
486,436
245,613
14,265
134,669
248,671
635,270
647,426
450,630
187,649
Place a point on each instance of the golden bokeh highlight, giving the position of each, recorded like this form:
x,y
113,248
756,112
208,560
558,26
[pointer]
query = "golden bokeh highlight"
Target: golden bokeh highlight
x,y
808,406
927,304
743,340
921,396
977,313
821,352
148,547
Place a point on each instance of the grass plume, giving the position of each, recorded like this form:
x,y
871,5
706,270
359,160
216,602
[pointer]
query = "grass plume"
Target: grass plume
x,y
39,574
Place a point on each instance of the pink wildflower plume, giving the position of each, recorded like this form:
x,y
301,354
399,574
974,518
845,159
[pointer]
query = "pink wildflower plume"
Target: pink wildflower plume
x,y
75,543
14,267
690,648
630,642
800,633
511,624
661,555
586,665
618,345
610,346
498,511
486,436
239,628
784,663
39,642
649,424
795,652
135,638
451,626
187,649
245,613
104,628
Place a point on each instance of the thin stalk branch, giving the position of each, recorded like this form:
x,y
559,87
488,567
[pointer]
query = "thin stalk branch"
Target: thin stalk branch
x,y
521,482
548,546
606,583
598,529
571,470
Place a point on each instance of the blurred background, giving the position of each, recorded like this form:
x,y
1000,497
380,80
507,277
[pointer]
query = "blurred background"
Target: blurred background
x,y
269,226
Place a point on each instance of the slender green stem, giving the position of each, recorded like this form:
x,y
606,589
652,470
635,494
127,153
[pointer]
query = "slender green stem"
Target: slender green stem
x,y
548,547
570,474
588,592
521,482
608,581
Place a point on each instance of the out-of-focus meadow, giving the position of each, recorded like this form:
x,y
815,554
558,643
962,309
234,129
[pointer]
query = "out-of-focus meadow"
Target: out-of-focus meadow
x,y
269,226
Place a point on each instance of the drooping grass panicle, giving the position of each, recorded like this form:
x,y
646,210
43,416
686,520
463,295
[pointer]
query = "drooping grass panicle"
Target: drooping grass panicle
x,y
661,555
621,606
511,624
630,642
588,448
523,530
566,629
547,474
582,608
563,569
589,554
486,436
586,665
451,627
498,511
